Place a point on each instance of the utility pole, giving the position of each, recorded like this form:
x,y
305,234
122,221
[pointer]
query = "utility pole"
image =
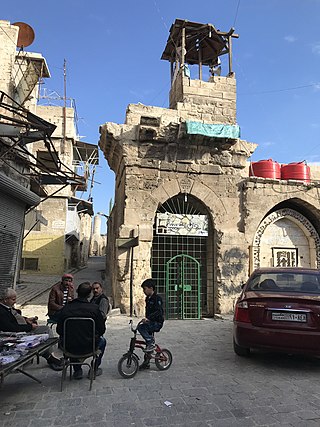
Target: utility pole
x,y
64,120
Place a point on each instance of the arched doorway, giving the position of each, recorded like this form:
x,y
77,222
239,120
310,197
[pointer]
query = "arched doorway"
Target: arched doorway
x,y
182,258
286,238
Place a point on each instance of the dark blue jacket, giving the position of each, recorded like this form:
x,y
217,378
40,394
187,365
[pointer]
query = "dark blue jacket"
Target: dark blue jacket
x,y
154,309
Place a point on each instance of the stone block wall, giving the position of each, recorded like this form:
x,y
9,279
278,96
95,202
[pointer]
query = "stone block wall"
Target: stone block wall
x,y
155,160
54,115
210,102
8,46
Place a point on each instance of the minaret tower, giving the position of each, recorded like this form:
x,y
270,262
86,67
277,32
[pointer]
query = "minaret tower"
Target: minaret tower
x,y
178,172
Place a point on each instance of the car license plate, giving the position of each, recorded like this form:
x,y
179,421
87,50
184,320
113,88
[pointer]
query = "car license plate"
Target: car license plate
x,y
289,317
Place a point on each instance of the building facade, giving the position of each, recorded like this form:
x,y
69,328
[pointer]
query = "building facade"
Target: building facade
x,y
19,74
62,242
44,227
186,211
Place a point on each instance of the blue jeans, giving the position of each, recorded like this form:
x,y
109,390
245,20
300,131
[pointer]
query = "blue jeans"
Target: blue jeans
x,y
101,346
147,329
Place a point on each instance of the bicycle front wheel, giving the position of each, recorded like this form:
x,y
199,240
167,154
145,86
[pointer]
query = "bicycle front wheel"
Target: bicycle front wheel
x,y
128,365
163,359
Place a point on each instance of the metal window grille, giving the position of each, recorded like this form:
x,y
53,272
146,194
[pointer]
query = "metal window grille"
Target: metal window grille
x,y
176,283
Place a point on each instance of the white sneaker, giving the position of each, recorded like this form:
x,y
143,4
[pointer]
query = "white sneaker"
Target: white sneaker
x,y
150,347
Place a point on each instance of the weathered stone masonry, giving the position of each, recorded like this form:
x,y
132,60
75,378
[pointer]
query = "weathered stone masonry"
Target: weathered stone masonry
x,y
155,159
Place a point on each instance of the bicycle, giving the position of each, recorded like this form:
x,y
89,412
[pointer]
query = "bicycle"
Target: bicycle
x,y
128,364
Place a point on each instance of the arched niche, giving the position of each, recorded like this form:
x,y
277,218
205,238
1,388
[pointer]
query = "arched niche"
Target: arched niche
x,y
298,237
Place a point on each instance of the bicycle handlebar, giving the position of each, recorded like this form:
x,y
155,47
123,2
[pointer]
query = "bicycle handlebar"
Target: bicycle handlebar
x,y
131,325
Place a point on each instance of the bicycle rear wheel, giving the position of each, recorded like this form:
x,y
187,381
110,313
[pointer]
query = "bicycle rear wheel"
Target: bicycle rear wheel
x,y
163,359
128,365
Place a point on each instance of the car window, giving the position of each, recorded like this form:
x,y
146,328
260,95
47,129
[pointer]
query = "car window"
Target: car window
x,y
285,282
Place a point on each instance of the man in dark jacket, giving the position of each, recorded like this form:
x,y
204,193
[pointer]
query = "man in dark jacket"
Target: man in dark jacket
x,y
81,307
154,319
60,294
11,320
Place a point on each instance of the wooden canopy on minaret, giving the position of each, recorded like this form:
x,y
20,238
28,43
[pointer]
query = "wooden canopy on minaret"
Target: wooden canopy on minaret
x,y
196,43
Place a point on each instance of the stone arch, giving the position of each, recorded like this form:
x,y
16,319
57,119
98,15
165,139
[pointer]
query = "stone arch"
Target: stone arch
x,y
169,243
186,185
300,220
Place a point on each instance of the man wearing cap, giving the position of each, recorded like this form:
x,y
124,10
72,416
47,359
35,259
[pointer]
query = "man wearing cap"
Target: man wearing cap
x,y
60,295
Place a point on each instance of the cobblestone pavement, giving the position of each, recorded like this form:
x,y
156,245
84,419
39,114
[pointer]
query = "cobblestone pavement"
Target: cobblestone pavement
x,y
207,384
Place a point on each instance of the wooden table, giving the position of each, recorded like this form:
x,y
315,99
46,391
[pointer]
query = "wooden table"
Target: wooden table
x,y
18,365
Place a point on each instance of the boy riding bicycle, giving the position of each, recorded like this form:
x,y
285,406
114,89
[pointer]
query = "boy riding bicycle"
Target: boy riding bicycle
x,y
154,319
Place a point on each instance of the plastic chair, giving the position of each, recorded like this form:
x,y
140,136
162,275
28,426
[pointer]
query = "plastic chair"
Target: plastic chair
x,y
85,339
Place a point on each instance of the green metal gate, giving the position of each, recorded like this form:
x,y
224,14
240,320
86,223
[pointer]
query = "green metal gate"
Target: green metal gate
x,y
183,288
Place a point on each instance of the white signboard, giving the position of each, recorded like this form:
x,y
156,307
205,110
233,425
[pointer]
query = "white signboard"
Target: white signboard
x,y
58,224
181,224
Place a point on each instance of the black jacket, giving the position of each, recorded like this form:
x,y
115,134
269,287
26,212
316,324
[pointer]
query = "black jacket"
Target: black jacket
x,y
8,323
81,308
154,309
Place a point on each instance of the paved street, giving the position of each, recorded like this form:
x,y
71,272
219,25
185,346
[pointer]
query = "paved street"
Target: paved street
x,y
207,384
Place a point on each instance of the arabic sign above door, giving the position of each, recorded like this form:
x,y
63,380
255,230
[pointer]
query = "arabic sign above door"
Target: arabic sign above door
x,y
181,224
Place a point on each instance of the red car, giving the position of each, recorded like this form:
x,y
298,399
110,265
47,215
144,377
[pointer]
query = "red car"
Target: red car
x,y
279,310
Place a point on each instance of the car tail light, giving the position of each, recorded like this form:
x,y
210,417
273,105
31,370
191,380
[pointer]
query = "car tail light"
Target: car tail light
x,y
242,313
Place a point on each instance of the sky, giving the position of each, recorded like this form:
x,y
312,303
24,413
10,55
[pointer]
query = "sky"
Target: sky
x,y
113,49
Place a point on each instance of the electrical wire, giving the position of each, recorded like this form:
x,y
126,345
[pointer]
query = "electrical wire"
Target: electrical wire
x,y
279,90
165,25
236,15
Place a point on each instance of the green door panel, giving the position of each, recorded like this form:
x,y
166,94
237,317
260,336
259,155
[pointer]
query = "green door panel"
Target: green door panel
x,y
183,288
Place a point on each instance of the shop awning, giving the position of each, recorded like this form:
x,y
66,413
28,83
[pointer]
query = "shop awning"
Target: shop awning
x,y
82,205
85,152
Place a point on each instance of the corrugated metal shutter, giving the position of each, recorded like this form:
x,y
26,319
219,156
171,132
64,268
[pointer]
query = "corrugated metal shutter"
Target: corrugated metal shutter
x,y
14,189
11,226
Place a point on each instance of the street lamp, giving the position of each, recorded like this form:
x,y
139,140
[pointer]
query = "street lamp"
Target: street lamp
x,y
103,214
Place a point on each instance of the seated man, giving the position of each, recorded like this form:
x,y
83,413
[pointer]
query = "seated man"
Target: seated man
x,y
11,320
100,299
154,319
60,295
81,307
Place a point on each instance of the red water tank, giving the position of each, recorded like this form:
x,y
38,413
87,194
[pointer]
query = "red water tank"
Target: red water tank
x,y
299,171
265,169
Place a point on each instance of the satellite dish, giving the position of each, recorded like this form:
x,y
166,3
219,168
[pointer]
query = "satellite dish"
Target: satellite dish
x,y
25,35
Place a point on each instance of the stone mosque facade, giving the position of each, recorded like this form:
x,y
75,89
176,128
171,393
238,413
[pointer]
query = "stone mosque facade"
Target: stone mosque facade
x,y
187,212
